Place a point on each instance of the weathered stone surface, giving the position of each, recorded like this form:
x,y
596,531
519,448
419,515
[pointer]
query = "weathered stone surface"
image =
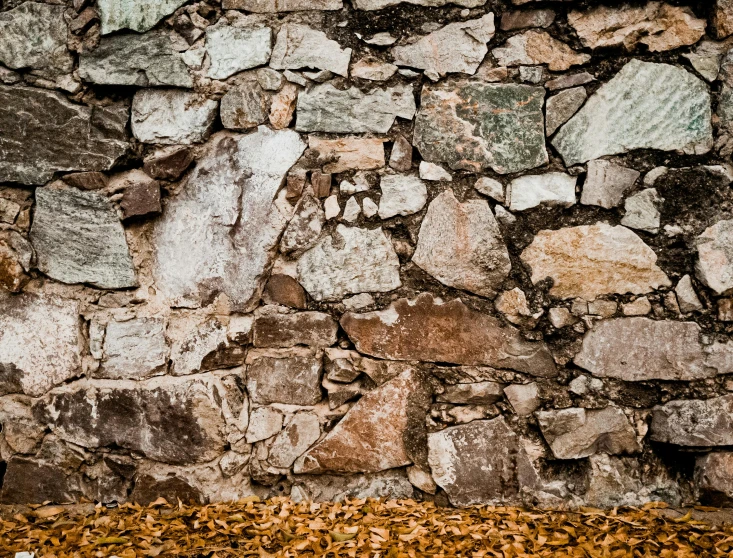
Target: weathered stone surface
x,y
233,49
199,247
373,69
645,106
276,6
78,238
314,329
39,343
715,257
288,376
138,15
460,244
379,4
349,153
264,423
479,393
327,109
33,35
351,261
607,183
299,46
723,18
134,349
527,18
199,343
589,261
573,80
657,25
360,443
694,422
29,480
687,298
401,195
16,258
168,163
44,133
305,227
474,125
336,488
434,173
490,187
714,478
143,60
171,116
524,398
636,349
576,433
480,463
552,188
642,211
283,106
456,48
284,290
177,421
140,194
561,107
538,47
244,106
302,431
401,157
434,331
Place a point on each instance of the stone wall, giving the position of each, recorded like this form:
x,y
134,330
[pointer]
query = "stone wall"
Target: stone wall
x,y
477,251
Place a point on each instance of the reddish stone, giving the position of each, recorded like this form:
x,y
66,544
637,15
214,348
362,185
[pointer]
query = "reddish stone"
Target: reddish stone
x,y
168,163
321,184
283,289
313,329
141,198
86,180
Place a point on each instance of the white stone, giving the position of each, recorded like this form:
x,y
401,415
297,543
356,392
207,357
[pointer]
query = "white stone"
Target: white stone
x,y
369,208
640,307
171,116
233,49
134,349
358,302
490,187
298,46
302,431
433,172
401,195
607,183
552,188
715,257
525,398
381,39
264,423
138,15
331,207
642,211
687,298
351,210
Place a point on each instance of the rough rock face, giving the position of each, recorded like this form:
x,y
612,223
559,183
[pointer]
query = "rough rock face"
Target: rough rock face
x,y
401,195
299,46
134,349
538,47
626,114
506,132
714,478
694,422
138,15
349,153
589,261
715,257
171,116
460,244
275,6
379,4
244,106
288,376
607,183
233,49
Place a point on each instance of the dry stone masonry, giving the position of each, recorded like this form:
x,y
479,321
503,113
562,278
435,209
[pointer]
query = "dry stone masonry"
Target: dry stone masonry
x,y
470,251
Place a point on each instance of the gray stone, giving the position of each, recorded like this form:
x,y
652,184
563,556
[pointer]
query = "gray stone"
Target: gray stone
x,y
707,57
571,80
28,480
351,261
44,133
561,107
480,463
607,183
33,35
524,398
172,116
714,478
401,195
456,48
305,227
538,47
287,376
480,393
642,211
277,6
694,422
373,69
78,238
527,18
233,49
460,244
576,433
147,60
552,188
392,484
244,106
264,423
687,298
473,125
490,187
327,109
627,113
715,257
298,46
314,329
380,4
134,349
220,232
302,432
138,15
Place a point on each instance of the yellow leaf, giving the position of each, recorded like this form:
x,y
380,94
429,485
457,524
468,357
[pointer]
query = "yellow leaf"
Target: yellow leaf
x,y
341,537
112,540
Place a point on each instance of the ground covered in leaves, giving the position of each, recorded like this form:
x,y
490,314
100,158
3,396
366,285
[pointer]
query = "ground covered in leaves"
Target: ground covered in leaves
x,y
394,529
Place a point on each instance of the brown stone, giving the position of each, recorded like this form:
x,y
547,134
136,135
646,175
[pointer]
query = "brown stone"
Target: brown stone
x,y
431,330
148,489
283,106
313,329
168,163
401,157
86,180
714,478
283,289
694,422
538,47
295,184
140,193
321,183
16,255
287,376
723,18
527,18
349,153
30,481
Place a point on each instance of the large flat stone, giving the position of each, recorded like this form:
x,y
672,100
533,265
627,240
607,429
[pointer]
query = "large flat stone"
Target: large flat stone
x,y
538,47
380,4
234,49
134,349
431,330
220,232
644,106
694,422
44,133
34,481
39,343
277,6
593,260
715,257
355,153
482,462
138,15
473,125
299,46
401,195
287,376
78,238
314,329
172,116
460,244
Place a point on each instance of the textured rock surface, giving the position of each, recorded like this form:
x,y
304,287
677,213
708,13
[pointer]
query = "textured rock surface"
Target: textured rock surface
x,y
401,195
138,15
233,49
607,183
275,6
553,188
538,47
715,257
134,349
288,376
561,107
349,153
694,422
379,4
244,106
299,46
171,116
714,477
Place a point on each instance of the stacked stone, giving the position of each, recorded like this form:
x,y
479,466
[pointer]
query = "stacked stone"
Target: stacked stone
x,y
451,250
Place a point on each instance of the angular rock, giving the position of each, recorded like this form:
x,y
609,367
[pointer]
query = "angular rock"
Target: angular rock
x,y
351,261
456,48
283,106
715,257
346,366
401,157
298,46
16,258
168,163
576,433
431,330
474,125
200,343
714,478
480,463
694,422
434,173
524,398
552,188
607,183
33,35
44,133
138,15
39,343
645,106
352,210
78,238
723,18
642,211
527,18
659,26
707,57
349,153
140,194
29,480
313,329
134,349
490,187
284,290
302,432
171,116
574,80
360,443
264,423
147,60
401,195
379,4
480,393
589,261
177,421
244,106
687,298
561,107
220,232
327,109
305,227
336,488
460,244
233,49
373,69
277,6
538,47
287,376
513,304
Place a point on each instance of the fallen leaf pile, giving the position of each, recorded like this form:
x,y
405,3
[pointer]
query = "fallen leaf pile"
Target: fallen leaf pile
x,y
393,529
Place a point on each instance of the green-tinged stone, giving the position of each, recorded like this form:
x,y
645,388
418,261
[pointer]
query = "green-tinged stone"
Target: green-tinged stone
x,y
138,15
